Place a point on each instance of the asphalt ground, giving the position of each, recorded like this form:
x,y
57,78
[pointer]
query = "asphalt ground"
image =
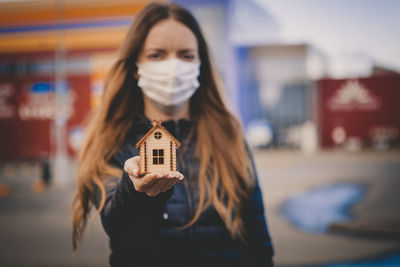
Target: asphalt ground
x,y
374,230
35,229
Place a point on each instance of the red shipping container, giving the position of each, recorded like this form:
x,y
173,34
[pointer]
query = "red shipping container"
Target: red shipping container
x,y
27,109
364,109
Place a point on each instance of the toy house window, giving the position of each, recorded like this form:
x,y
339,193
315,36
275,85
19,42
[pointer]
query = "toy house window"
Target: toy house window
x,y
158,156
157,135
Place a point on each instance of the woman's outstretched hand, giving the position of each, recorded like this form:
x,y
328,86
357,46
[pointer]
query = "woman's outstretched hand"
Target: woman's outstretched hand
x,y
153,183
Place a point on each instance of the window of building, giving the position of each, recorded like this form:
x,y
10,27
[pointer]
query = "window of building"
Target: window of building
x,y
158,156
157,135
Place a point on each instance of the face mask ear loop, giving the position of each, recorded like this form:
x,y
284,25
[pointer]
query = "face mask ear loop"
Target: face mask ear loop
x,y
135,75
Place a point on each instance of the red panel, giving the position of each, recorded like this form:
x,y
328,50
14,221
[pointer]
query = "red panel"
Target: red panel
x,y
27,135
358,106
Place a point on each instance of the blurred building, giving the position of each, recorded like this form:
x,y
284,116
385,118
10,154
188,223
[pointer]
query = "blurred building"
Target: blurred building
x,y
56,54
282,78
279,89
267,79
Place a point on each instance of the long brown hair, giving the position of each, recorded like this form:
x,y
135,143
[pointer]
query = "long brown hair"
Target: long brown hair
x,y
225,177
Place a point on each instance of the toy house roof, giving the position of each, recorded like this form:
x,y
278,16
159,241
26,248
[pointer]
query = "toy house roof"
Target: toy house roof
x,y
157,124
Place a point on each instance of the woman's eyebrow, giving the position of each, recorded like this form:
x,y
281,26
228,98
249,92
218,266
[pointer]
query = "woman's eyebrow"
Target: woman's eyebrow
x,y
155,50
163,50
186,50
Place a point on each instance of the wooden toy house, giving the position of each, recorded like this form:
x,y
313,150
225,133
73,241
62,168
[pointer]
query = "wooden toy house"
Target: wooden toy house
x,y
157,150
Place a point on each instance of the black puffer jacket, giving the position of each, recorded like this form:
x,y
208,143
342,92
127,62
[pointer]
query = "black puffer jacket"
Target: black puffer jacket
x,y
143,230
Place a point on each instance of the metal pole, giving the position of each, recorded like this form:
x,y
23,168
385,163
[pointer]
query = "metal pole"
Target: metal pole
x,y
61,170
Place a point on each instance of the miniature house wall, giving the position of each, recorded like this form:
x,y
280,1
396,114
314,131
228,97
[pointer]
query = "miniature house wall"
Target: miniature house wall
x,y
157,150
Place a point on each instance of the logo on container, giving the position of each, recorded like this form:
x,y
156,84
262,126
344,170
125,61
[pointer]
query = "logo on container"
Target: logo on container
x,y
40,102
353,96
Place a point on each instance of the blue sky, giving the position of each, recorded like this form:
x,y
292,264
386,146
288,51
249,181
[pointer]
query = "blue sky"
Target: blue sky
x,y
352,33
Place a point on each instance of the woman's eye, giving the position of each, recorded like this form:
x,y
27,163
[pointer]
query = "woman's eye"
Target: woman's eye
x,y
188,57
154,56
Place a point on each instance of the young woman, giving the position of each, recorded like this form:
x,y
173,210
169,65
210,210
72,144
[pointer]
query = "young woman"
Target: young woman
x,y
209,212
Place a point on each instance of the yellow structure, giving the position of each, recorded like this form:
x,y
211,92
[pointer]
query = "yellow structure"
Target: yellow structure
x,y
88,32
35,26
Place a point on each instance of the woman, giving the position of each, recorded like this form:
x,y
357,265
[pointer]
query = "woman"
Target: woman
x,y
210,211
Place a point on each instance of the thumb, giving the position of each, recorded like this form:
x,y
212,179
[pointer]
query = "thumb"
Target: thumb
x,y
131,166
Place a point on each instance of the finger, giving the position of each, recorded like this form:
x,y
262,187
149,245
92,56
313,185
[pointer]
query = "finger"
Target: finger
x,y
154,183
177,175
148,179
168,174
173,174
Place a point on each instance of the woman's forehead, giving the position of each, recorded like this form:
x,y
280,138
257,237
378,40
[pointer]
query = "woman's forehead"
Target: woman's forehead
x,y
170,34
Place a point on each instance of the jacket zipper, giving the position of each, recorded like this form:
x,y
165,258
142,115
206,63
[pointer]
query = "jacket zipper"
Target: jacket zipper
x,y
186,184
189,195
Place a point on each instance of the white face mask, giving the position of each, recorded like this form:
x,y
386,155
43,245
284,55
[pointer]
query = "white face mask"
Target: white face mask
x,y
169,83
